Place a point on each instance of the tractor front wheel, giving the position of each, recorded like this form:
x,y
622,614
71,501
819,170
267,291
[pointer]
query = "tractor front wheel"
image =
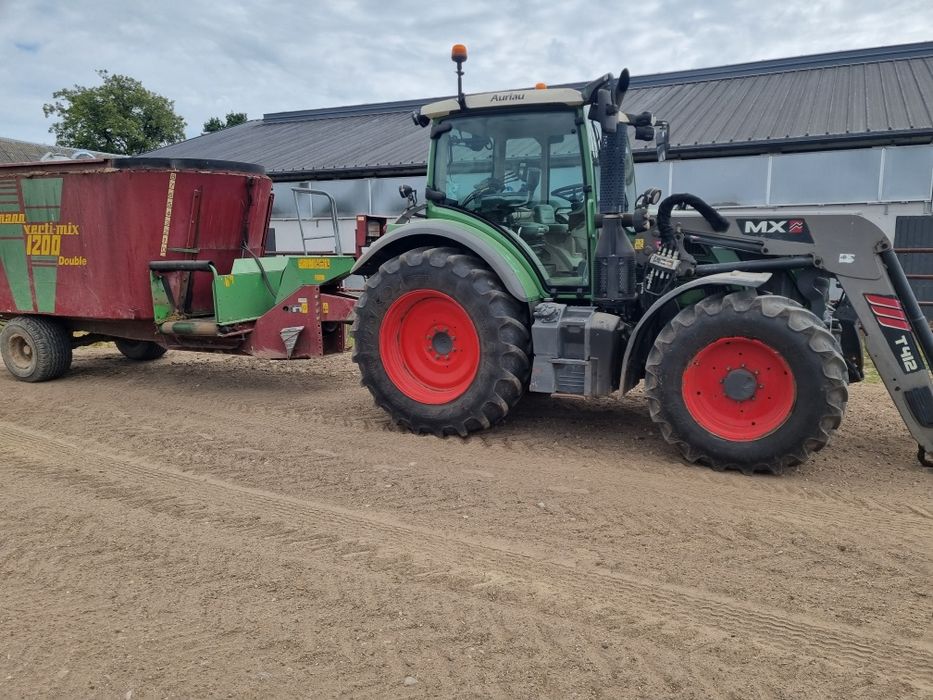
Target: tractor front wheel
x,y
35,348
440,344
748,382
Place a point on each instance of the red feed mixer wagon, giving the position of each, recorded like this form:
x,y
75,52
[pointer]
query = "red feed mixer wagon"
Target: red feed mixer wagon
x,y
155,254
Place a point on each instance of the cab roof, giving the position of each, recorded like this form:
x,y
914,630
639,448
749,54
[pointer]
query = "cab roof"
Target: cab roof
x,y
509,98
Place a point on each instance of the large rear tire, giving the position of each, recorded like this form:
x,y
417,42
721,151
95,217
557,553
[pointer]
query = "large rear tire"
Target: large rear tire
x,y
440,344
747,382
139,350
35,349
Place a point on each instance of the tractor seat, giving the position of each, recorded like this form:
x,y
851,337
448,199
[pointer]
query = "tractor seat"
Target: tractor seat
x,y
544,214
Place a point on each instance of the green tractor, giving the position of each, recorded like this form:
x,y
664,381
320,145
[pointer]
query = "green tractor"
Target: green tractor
x,y
534,265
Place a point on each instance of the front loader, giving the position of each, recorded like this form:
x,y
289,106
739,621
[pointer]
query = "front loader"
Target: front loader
x,y
534,266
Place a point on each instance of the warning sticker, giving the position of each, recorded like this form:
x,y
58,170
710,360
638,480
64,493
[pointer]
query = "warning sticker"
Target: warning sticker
x,y
314,264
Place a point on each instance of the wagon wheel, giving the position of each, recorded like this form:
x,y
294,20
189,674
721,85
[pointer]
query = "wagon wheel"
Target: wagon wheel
x,y
35,349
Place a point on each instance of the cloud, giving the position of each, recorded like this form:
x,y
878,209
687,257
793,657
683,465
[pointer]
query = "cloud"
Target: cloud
x,y
212,58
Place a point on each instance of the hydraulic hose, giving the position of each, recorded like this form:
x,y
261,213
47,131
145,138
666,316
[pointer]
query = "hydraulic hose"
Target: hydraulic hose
x,y
666,229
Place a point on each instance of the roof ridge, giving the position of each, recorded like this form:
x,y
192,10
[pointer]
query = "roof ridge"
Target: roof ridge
x,y
848,57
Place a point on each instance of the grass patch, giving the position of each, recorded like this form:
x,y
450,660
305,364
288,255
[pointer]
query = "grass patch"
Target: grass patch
x,y
871,372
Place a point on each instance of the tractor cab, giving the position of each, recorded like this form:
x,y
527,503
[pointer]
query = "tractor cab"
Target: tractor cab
x,y
543,168
522,162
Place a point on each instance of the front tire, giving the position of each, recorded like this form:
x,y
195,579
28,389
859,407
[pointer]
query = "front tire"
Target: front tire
x,y
440,344
755,383
35,349
139,350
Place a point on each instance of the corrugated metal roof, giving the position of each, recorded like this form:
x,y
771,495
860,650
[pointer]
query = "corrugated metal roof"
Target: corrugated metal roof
x,y
13,151
843,99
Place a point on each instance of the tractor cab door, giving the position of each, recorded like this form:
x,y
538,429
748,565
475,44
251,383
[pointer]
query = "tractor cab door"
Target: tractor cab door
x,y
523,171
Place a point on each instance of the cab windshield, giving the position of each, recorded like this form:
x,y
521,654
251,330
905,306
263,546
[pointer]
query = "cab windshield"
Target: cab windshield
x,y
523,172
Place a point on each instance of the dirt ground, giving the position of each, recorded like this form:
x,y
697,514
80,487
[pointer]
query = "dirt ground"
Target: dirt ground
x,y
210,526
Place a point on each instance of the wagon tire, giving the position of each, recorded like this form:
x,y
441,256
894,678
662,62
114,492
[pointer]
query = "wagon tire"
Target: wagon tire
x,y
746,382
441,345
140,350
35,349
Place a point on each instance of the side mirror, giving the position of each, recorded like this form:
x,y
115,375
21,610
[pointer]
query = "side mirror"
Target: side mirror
x,y
605,111
434,195
662,136
419,119
644,133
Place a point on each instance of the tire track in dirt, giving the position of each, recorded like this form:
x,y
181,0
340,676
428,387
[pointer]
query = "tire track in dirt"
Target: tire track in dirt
x,y
461,561
196,560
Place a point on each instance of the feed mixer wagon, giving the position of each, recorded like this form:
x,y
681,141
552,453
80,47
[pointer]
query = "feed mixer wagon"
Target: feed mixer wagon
x,y
155,254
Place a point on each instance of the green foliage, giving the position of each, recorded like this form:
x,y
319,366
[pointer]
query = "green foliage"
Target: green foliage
x,y
217,124
120,116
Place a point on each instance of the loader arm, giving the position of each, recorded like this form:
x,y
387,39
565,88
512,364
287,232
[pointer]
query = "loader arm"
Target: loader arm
x,y
897,338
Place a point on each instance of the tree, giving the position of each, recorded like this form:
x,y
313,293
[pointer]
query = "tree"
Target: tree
x,y
217,124
120,116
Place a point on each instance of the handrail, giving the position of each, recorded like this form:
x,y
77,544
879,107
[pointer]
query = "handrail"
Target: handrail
x,y
338,249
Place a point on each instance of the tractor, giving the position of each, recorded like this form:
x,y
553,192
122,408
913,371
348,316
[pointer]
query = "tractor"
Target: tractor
x,y
534,265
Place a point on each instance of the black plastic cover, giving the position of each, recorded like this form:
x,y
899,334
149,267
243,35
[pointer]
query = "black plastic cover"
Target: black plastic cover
x,y
920,401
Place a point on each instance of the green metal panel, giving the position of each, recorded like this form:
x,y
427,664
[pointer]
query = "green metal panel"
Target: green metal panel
x,y
15,265
42,197
162,308
240,297
44,276
13,261
243,295
9,200
319,270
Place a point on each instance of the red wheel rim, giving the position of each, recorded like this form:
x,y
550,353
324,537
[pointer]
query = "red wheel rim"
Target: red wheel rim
x,y
739,389
429,346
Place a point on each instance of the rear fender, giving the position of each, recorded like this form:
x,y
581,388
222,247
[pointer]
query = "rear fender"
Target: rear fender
x,y
642,338
515,272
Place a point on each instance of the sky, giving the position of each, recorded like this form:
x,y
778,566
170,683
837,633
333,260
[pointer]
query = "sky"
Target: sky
x,y
219,56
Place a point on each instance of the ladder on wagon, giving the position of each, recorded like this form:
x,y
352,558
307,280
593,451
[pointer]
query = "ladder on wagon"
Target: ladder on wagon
x,y
296,191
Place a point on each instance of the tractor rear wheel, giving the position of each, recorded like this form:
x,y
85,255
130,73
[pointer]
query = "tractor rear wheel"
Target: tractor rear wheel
x,y
139,350
441,346
35,349
748,382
